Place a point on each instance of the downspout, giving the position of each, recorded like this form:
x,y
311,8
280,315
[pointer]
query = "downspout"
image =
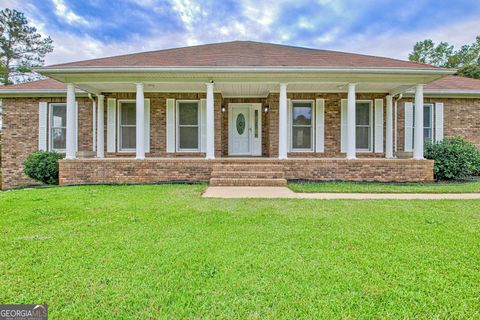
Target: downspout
x,y
94,119
400,96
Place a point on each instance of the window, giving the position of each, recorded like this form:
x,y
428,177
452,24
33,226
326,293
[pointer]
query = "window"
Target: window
x,y
363,129
127,125
58,127
302,128
427,124
188,119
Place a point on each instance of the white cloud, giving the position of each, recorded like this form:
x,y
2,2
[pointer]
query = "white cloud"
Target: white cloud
x,y
65,13
398,45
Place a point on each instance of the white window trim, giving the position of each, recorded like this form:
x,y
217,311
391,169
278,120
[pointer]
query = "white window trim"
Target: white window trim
x,y
312,125
119,127
177,126
50,123
432,124
370,147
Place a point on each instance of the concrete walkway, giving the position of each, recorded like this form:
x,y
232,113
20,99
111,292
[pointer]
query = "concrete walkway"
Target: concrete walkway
x,y
285,193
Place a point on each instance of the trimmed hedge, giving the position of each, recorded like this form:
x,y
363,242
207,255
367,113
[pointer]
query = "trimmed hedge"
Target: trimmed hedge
x,y
43,166
455,158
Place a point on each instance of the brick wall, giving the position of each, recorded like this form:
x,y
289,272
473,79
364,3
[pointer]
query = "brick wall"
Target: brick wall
x,y
87,171
20,135
461,118
20,128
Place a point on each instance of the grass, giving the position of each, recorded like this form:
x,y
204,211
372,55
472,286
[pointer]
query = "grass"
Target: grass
x,y
161,251
375,187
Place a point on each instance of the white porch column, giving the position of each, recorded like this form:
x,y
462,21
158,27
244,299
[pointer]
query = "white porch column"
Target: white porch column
x,y
282,123
70,148
140,122
418,125
351,106
210,123
100,126
389,128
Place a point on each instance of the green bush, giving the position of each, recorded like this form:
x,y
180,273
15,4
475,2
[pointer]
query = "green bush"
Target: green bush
x,y
455,158
42,166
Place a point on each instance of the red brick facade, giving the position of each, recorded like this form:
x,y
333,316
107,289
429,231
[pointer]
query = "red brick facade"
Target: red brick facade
x,y
20,138
87,171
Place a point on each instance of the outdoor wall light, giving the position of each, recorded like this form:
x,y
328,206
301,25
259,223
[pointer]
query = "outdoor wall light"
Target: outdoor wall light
x,y
266,108
223,109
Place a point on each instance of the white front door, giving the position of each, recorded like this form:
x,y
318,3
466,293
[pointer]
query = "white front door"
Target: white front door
x,y
244,129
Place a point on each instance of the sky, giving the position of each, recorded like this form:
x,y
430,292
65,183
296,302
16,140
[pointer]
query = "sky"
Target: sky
x,y
86,29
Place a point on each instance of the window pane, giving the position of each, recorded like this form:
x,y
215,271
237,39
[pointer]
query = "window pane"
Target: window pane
x,y
256,123
188,113
362,136
427,134
59,141
427,116
362,113
301,137
302,113
188,137
128,113
59,116
128,137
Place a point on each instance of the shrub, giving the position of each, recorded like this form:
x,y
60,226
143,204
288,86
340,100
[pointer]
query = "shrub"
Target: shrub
x,y
42,166
455,158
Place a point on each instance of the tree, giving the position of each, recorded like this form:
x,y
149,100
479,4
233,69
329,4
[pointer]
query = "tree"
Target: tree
x,y
466,59
21,47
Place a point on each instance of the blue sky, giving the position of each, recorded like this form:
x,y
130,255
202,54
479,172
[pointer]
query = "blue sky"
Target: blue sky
x,y
85,29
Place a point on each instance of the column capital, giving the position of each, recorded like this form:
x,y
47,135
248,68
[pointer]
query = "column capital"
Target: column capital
x,y
283,84
100,96
210,84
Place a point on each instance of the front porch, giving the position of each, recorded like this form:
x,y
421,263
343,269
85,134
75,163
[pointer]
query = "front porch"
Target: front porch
x,y
245,171
308,129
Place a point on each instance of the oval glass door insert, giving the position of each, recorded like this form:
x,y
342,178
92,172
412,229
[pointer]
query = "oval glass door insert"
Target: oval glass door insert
x,y
240,123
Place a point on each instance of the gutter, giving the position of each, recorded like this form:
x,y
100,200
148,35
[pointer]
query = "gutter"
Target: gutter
x,y
61,70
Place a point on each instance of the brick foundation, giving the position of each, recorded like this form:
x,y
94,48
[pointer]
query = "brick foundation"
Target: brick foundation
x,y
90,171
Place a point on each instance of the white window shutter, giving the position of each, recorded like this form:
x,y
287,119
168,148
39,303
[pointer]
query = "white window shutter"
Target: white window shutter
x,y
203,125
408,127
42,125
438,122
170,125
320,125
147,125
111,124
379,125
76,126
289,124
343,125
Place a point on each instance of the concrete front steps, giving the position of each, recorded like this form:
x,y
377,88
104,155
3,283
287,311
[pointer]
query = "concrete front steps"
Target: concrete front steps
x,y
248,174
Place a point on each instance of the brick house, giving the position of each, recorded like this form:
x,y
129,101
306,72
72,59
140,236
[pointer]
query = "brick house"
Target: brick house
x,y
236,113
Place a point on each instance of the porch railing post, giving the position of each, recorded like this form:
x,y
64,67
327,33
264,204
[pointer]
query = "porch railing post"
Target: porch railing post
x,y
140,122
351,106
282,123
210,123
100,126
418,125
70,143
389,128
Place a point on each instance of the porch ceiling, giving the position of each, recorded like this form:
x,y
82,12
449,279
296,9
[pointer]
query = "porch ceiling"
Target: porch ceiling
x,y
245,89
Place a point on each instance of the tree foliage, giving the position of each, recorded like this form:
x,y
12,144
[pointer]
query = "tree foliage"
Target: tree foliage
x,y
21,47
466,59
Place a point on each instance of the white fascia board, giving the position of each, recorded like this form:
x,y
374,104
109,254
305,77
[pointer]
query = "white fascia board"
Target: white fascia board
x,y
63,70
37,92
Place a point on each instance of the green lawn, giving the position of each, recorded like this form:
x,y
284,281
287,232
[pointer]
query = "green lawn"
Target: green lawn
x,y
161,251
375,187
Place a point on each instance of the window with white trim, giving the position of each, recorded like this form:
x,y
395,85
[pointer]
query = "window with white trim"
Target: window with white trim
x,y
302,126
188,125
127,130
363,125
427,124
58,127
